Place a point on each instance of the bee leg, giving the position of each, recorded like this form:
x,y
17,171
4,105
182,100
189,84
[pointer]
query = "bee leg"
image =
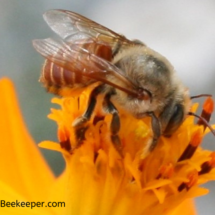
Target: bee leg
x,y
155,128
80,124
115,123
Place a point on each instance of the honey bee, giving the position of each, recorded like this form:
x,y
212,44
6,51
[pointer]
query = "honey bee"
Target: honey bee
x,y
129,73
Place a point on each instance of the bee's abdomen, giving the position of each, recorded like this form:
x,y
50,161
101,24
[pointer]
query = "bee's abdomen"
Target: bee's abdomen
x,y
54,75
57,77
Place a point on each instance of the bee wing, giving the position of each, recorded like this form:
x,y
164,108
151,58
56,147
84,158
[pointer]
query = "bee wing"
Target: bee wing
x,y
71,26
77,59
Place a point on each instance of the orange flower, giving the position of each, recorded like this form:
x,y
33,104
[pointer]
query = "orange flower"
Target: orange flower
x,y
96,179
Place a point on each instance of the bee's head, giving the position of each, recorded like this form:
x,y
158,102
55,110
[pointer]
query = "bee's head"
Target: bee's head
x,y
171,118
174,113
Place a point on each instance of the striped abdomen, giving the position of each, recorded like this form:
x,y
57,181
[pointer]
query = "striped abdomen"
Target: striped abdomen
x,y
54,76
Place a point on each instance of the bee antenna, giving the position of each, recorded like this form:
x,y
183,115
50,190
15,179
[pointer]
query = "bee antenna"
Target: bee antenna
x,y
203,120
200,95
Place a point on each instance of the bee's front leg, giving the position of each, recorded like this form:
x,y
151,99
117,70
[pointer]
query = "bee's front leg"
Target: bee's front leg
x,y
156,128
115,123
80,124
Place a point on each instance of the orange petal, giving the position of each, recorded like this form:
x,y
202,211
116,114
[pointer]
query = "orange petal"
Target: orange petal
x,y
53,146
186,208
22,165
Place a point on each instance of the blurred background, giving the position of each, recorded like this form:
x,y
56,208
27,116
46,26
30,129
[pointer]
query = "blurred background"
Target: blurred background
x,y
183,31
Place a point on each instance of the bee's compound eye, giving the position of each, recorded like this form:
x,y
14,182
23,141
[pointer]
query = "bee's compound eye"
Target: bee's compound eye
x,y
175,120
176,112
